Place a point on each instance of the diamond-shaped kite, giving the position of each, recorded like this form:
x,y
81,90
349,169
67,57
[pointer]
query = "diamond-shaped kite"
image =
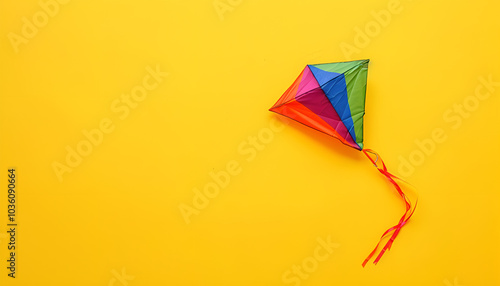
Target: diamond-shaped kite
x,y
331,98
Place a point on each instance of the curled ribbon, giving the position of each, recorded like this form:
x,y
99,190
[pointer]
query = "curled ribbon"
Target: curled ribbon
x,y
404,219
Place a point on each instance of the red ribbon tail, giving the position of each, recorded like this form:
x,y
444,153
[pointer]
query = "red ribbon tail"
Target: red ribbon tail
x,y
404,219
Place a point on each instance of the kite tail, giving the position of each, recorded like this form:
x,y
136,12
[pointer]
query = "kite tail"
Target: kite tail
x,y
404,219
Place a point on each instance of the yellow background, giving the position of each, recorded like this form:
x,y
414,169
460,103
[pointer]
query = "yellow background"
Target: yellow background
x,y
118,211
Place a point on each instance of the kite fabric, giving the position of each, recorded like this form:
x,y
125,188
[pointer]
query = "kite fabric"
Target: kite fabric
x,y
331,99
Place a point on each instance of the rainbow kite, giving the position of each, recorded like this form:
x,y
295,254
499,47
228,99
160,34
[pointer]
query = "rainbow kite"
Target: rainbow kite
x,y
331,98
